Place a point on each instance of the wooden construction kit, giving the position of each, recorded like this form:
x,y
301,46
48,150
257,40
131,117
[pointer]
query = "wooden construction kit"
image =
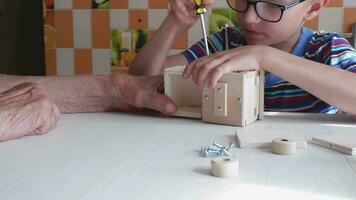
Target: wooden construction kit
x,y
238,98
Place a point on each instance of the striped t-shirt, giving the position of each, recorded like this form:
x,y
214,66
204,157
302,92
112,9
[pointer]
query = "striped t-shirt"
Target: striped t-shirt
x,y
328,48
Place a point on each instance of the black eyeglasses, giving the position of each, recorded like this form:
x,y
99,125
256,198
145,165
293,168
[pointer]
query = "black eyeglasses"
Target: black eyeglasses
x,y
267,11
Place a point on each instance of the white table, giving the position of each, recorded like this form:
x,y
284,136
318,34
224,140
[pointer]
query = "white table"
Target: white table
x,y
151,157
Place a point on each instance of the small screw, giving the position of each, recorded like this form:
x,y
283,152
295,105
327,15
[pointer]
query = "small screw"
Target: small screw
x,y
203,151
215,149
226,152
239,99
219,90
219,108
217,145
206,152
231,144
206,97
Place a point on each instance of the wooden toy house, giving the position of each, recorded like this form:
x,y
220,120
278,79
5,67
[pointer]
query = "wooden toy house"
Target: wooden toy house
x,y
236,100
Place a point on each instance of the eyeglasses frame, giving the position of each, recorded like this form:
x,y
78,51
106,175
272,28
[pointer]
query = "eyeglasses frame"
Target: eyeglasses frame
x,y
281,6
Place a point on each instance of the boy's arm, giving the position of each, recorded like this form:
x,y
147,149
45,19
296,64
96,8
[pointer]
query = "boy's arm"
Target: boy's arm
x,y
334,86
331,85
153,57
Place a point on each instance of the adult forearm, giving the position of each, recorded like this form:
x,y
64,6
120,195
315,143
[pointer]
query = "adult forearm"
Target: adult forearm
x,y
71,94
334,86
151,58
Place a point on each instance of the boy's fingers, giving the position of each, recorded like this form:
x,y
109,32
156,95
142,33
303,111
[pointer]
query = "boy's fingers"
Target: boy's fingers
x,y
188,70
217,73
205,70
199,65
181,7
208,2
202,76
195,71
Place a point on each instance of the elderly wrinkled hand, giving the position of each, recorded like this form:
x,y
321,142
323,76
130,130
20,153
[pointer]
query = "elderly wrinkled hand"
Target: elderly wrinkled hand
x,y
26,110
138,92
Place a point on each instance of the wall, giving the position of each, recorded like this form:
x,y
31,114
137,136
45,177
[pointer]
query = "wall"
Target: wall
x,y
94,36
21,46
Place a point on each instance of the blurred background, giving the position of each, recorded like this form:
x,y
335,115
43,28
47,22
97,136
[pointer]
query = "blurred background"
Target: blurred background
x,y
21,33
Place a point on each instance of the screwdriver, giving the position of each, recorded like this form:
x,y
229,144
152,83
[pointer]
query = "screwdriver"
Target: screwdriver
x,y
201,10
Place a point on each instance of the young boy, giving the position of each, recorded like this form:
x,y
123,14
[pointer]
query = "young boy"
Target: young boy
x,y
307,71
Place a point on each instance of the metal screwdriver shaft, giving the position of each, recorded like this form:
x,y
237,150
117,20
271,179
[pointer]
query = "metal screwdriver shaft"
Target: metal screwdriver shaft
x,y
201,10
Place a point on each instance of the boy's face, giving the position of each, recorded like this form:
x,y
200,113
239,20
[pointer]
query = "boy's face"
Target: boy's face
x,y
269,33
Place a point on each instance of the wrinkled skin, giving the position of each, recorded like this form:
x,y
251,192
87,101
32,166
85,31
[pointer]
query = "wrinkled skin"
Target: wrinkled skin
x,y
137,92
26,110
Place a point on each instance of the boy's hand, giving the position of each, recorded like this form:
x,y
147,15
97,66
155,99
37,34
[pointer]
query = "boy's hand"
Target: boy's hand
x,y
208,70
26,110
184,10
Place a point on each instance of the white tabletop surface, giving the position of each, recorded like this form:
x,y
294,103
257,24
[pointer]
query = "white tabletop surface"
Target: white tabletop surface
x,y
151,157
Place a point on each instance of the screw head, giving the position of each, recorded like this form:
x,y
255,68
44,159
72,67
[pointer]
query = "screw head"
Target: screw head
x,y
224,151
217,145
239,99
206,97
219,150
230,145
